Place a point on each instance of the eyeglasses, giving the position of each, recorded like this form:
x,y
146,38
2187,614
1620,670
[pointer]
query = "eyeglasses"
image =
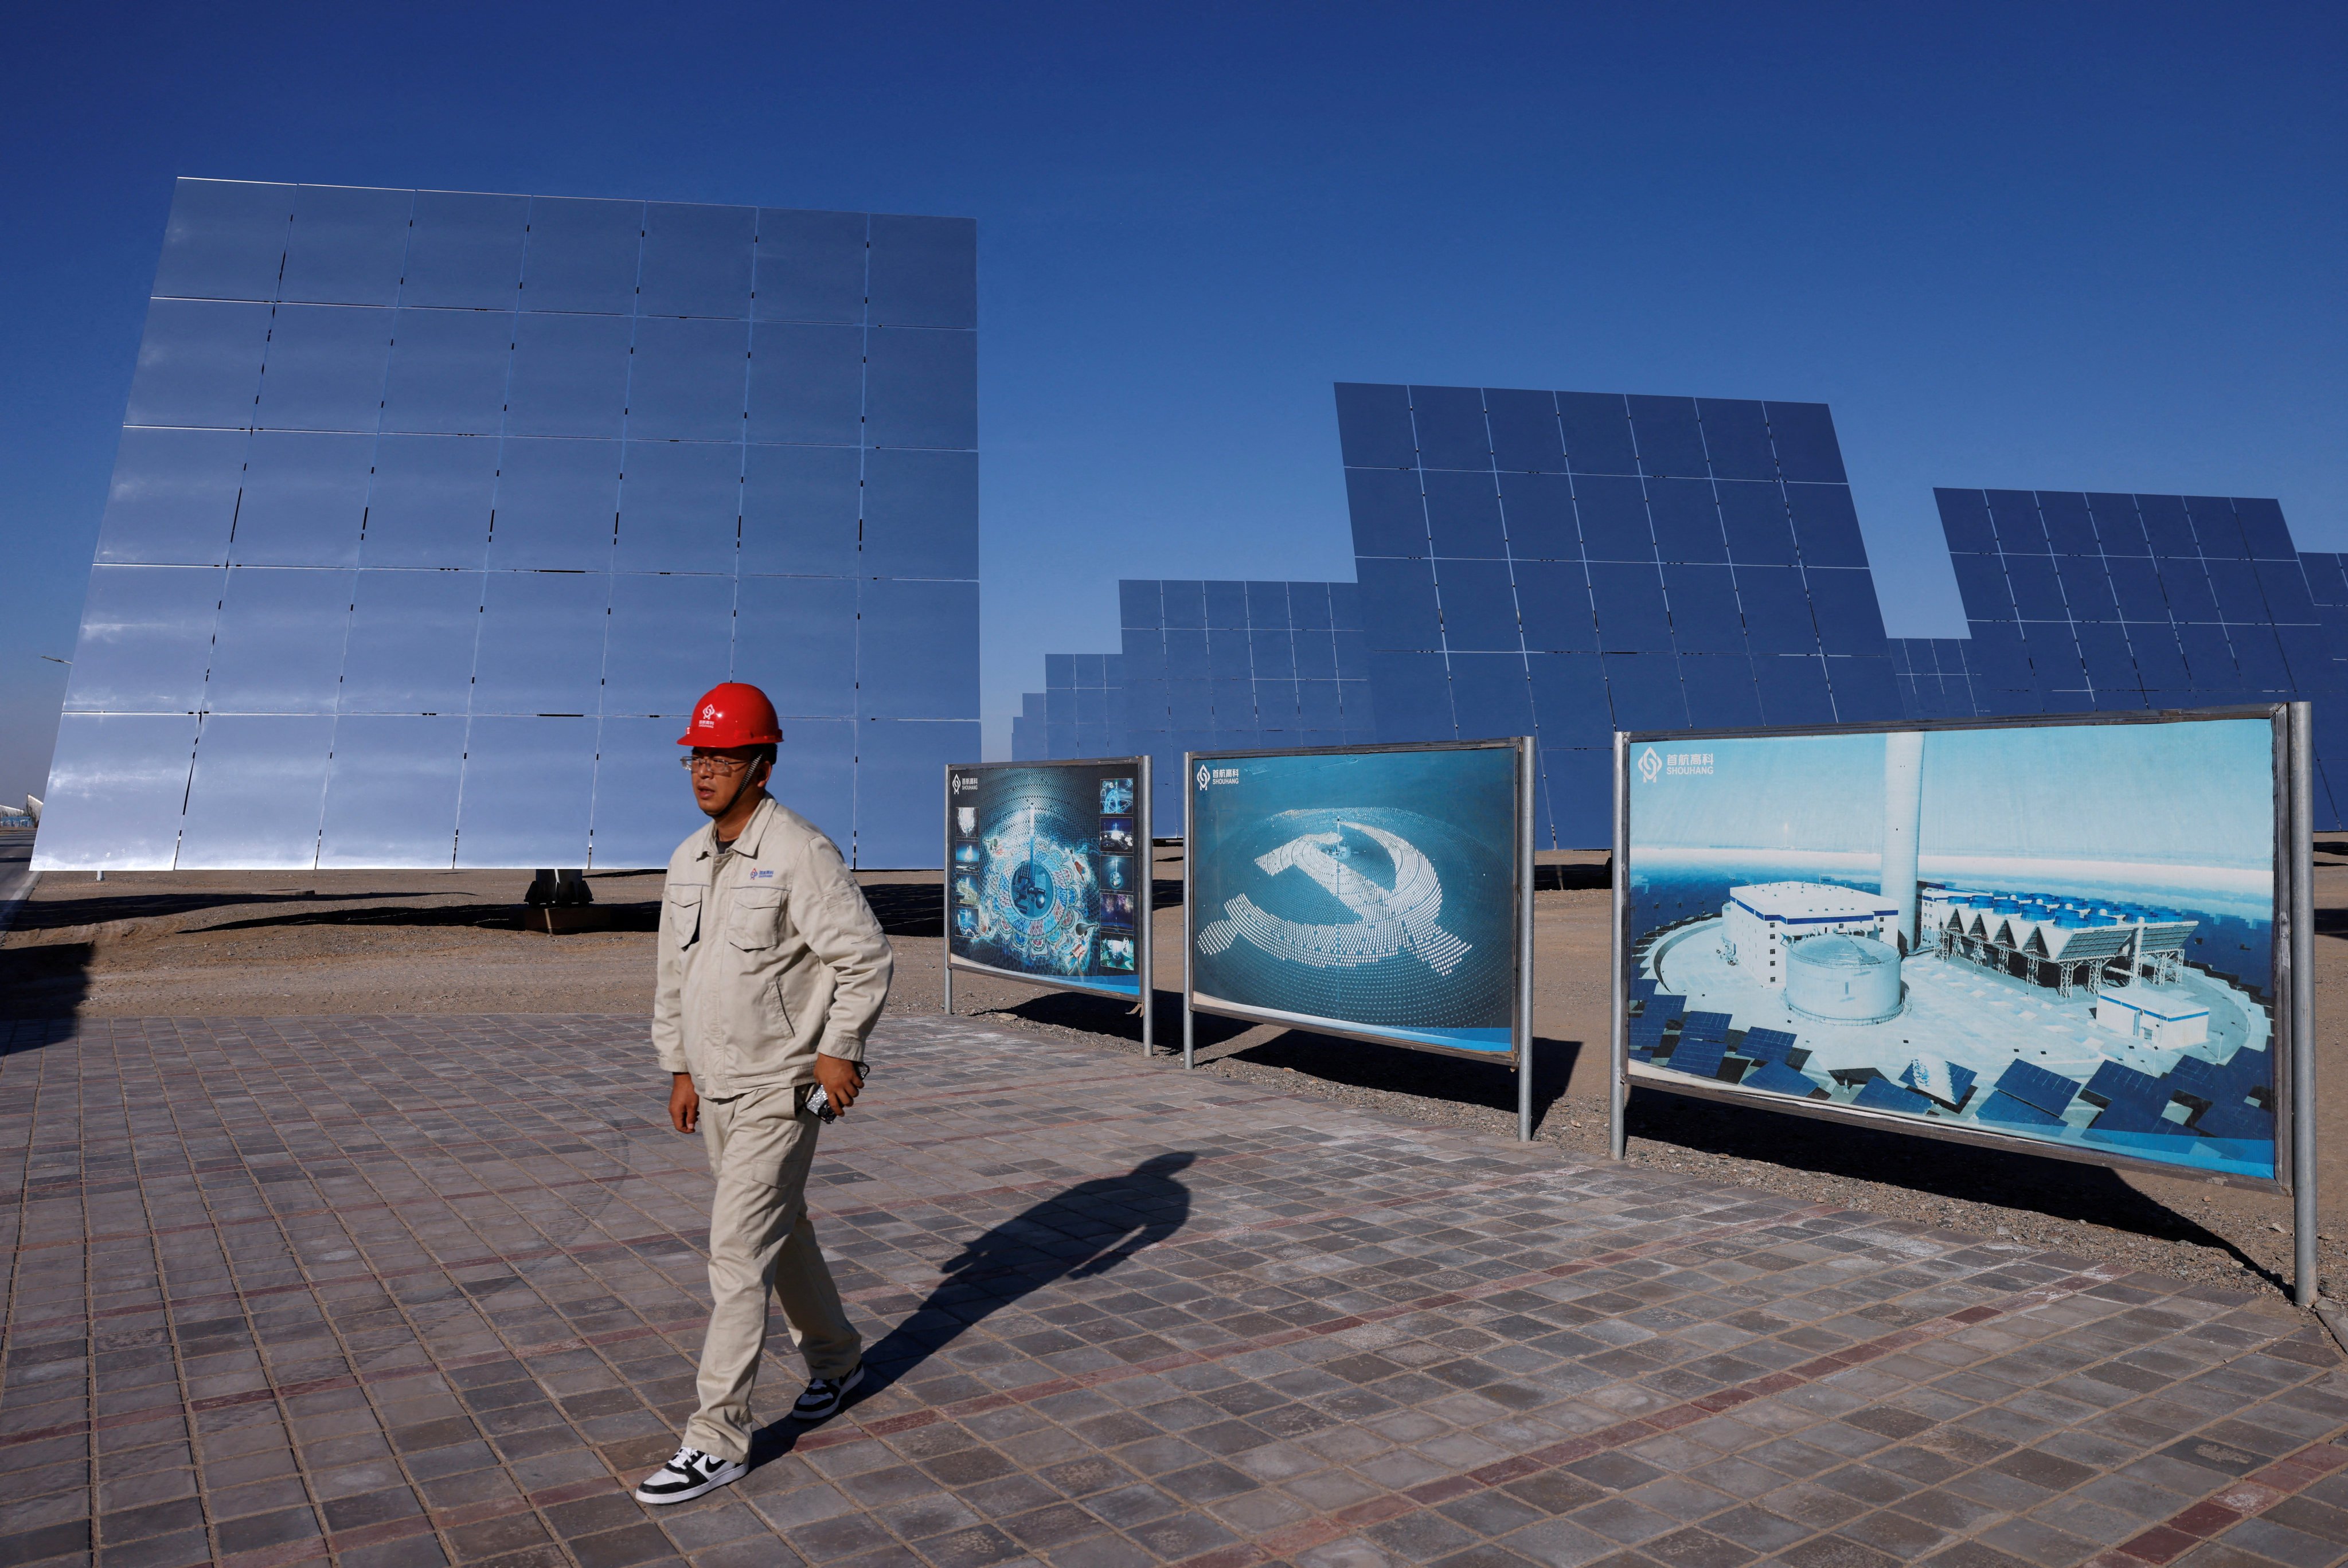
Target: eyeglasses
x,y
721,766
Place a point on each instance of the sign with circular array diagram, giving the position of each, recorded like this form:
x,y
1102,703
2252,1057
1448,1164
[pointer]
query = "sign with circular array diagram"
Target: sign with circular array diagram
x,y
1047,873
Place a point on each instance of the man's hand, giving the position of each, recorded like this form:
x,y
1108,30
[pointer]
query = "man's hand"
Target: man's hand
x,y
840,1078
683,1103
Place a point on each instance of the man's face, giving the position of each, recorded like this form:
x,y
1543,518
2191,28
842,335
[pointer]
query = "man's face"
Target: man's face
x,y
717,772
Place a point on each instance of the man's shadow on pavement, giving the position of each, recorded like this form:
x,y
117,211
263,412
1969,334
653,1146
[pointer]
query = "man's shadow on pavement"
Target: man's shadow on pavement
x,y
1082,1232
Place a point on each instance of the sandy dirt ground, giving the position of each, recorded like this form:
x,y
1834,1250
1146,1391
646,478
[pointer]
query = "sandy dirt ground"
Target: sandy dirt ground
x,y
218,945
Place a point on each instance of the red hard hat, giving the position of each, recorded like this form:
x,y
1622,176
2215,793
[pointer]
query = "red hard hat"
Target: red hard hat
x,y
734,714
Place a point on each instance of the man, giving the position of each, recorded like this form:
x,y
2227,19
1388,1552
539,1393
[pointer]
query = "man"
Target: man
x,y
772,972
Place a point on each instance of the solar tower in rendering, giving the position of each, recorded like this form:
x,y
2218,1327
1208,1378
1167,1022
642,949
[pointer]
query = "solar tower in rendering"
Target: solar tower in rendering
x,y
435,511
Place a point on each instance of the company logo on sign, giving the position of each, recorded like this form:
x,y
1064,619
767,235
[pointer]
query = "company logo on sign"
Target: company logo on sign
x,y
963,781
1216,776
1204,777
1654,765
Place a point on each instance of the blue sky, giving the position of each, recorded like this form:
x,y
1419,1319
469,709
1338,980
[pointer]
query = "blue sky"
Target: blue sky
x,y
2197,794
2091,247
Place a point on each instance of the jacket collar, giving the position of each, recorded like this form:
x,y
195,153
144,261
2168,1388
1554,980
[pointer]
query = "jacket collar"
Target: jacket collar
x,y
754,832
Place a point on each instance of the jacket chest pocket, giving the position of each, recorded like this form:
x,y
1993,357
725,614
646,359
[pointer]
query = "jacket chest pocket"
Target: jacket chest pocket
x,y
682,914
757,919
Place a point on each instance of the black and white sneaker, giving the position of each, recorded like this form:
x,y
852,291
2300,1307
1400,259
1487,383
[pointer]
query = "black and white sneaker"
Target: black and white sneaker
x,y
825,1395
688,1475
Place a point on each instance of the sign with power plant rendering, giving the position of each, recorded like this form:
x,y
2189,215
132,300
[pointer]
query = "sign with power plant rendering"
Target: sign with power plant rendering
x,y
2059,936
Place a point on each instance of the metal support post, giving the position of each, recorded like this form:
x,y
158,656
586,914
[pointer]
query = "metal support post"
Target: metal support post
x,y
1147,927
1618,1087
1189,892
2305,1277
945,898
1524,1009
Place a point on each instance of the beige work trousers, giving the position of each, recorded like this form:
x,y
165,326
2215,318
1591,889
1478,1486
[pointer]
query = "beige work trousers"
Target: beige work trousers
x,y
760,1240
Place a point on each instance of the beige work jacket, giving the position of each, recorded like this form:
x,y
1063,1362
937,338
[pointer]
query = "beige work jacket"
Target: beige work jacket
x,y
765,960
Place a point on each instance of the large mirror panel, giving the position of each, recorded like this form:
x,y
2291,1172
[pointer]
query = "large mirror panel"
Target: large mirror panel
x,y
920,514
146,639
465,250
325,369
570,375
255,794
305,498
430,502
542,646
116,791
924,271
173,498
687,379
815,775
199,364
795,638
582,256
528,794
280,644
921,387
558,505
411,642
672,639
811,266
643,801
696,260
225,240
911,650
348,245
448,371
898,769
391,791
806,385
800,510
680,504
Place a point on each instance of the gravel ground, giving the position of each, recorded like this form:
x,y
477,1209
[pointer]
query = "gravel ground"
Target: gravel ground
x,y
233,944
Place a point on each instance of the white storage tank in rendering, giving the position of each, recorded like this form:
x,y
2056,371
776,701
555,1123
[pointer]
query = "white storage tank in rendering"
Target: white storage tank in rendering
x,y
1843,979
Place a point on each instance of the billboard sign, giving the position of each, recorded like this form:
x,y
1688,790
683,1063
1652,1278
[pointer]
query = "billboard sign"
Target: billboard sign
x,y
1047,872
2059,936
1381,892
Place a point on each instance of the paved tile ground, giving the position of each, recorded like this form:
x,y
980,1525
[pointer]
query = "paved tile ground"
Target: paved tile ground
x,y
425,1289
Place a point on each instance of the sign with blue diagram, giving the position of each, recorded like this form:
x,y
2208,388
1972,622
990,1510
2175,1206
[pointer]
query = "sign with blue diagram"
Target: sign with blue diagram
x,y
1371,892
1047,872
2053,934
